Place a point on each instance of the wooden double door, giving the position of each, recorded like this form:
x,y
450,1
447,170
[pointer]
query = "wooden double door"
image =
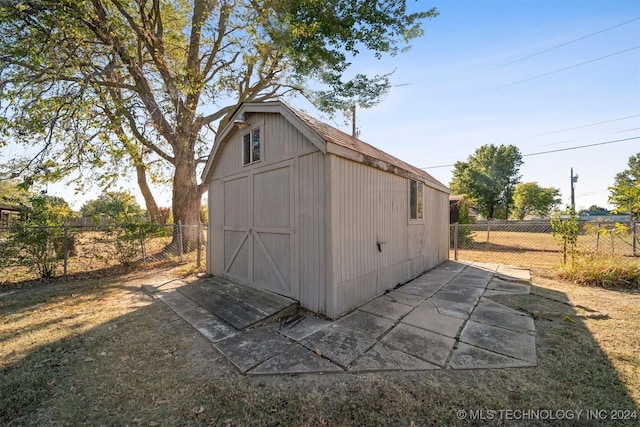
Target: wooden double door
x,y
259,228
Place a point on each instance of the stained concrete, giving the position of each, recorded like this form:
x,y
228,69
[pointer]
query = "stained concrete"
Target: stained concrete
x,y
443,319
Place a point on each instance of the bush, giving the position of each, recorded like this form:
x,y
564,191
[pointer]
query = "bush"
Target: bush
x,y
612,272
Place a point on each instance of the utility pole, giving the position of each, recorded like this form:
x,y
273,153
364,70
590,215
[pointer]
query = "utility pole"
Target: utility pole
x,y
574,179
354,130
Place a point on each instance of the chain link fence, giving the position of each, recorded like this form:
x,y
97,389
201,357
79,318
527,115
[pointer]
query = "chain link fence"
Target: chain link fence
x,y
28,253
531,244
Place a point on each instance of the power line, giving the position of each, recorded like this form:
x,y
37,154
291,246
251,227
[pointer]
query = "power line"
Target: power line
x,y
580,146
553,151
587,125
570,67
564,44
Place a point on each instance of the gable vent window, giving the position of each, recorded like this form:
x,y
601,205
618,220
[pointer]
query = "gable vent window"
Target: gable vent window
x,y
251,147
415,199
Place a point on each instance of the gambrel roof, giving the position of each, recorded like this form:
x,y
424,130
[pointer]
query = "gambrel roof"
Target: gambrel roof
x,y
328,139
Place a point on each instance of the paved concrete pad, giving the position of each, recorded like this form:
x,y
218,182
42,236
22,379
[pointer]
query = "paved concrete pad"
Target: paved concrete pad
x,y
423,289
442,319
508,287
499,340
251,348
339,344
427,317
402,298
297,359
300,326
425,345
453,308
519,322
389,309
239,305
375,359
469,357
206,323
367,323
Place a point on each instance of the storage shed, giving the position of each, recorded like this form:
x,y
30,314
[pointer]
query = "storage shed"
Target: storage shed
x,y
302,209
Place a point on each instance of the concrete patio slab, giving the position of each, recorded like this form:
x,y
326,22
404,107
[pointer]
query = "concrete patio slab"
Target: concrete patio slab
x,y
469,357
402,298
453,308
518,322
423,289
492,305
297,359
251,348
425,345
239,305
300,326
463,287
411,363
339,344
509,287
499,340
367,323
389,309
375,359
442,319
427,317
206,323
513,273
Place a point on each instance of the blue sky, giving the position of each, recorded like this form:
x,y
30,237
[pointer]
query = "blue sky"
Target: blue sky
x,y
465,85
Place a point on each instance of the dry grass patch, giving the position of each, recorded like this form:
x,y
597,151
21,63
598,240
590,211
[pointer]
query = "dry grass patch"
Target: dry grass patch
x,y
102,353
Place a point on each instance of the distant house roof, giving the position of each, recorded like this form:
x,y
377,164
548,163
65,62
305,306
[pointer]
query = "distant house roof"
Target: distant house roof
x,y
5,207
323,135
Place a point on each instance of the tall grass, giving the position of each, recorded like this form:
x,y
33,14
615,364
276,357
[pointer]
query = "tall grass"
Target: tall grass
x,y
605,271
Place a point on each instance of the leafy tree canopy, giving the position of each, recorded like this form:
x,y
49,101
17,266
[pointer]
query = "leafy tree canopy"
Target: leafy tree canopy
x,y
115,85
625,192
489,176
531,199
117,206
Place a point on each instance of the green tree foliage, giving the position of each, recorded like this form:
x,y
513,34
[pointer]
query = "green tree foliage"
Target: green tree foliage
x,y
38,240
625,192
118,85
13,193
531,199
115,206
489,176
565,233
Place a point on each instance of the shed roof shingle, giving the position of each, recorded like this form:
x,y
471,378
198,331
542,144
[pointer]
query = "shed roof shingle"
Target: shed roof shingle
x,y
338,137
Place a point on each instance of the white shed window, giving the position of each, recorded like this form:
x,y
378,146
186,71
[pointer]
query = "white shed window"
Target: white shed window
x,y
415,199
251,147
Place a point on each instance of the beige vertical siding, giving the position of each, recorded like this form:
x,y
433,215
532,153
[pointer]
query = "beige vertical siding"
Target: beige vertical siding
x,y
302,267
311,231
370,206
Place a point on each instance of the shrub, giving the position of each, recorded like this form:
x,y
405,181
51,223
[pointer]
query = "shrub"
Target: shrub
x,y
604,271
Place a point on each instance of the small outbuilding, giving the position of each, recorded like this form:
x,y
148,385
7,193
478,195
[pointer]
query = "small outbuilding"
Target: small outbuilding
x,y
302,209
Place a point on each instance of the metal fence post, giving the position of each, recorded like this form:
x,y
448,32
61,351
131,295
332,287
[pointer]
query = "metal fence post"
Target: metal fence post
x,y
455,241
66,250
634,236
199,250
144,252
180,239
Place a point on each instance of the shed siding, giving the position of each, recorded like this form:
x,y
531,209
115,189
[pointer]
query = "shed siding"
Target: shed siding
x,y
283,144
370,206
311,236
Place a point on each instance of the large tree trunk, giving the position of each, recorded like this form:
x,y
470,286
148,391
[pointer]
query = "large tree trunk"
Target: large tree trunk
x,y
149,200
187,197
